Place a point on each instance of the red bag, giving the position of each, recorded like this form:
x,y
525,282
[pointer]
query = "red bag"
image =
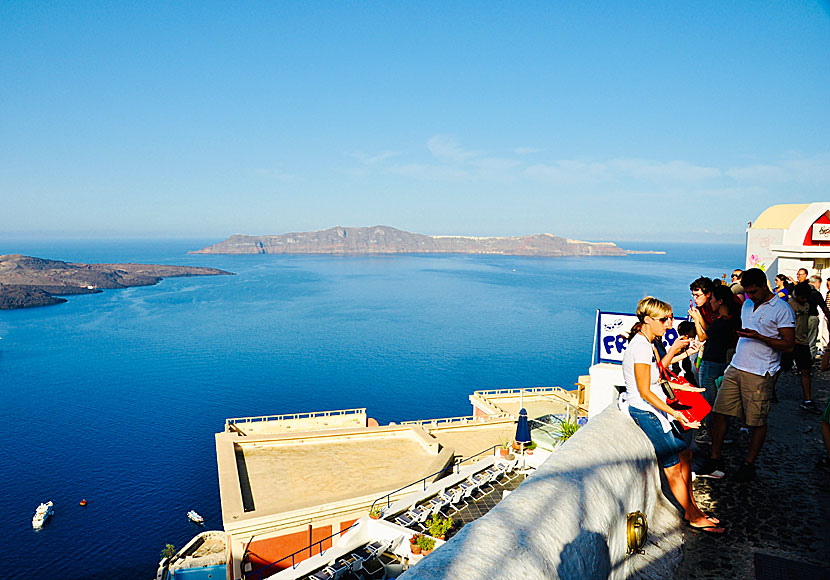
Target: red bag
x,y
693,405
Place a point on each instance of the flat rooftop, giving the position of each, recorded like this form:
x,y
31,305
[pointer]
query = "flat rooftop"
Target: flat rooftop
x,y
539,401
471,439
284,476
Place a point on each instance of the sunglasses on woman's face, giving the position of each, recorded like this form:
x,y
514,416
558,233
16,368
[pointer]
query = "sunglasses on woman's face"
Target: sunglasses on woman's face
x,y
663,319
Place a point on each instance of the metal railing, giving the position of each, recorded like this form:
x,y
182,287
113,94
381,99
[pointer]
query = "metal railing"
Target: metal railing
x,y
560,394
528,390
468,420
294,562
294,416
456,467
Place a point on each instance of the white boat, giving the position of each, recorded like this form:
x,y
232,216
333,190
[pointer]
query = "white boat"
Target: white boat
x,y
195,518
42,513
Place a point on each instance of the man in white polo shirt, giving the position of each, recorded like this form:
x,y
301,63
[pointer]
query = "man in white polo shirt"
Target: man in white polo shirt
x,y
747,388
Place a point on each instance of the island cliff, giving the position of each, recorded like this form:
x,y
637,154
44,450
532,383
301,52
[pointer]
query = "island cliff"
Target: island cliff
x,y
26,282
388,240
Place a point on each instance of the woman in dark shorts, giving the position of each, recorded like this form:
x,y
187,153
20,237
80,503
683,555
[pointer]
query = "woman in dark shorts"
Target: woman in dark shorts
x,y
646,404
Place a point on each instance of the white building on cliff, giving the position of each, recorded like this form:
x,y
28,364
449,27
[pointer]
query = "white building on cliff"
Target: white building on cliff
x,y
787,237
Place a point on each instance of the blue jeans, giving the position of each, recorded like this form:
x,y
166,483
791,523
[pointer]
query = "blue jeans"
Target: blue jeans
x,y
666,445
709,373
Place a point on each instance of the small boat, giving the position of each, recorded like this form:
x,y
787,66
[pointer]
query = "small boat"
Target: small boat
x,y
195,518
42,513
83,501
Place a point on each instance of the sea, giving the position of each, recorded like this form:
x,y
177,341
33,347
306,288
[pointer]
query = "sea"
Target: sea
x,y
115,397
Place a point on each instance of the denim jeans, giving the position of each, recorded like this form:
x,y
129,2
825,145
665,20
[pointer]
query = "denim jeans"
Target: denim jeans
x,y
666,445
709,373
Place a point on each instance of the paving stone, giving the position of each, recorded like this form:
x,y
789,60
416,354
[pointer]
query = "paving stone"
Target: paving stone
x,y
784,515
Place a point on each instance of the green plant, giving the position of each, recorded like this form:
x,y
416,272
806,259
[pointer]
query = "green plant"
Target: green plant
x,y
438,526
531,446
426,543
506,443
375,512
168,552
566,429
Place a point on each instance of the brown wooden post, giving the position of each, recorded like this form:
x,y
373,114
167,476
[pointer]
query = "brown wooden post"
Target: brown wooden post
x,y
310,540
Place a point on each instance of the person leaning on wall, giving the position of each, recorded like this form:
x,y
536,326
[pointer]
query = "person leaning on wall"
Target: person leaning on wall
x,y
645,403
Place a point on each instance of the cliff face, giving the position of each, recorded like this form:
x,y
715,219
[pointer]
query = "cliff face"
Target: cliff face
x,y
387,240
26,281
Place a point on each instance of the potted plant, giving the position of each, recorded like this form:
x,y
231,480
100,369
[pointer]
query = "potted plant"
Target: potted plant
x,y
414,543
375,512
438,526
505,447
565,430
427,544
530,447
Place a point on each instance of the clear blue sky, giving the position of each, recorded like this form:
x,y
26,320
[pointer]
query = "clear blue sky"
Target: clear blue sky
x,y
602,121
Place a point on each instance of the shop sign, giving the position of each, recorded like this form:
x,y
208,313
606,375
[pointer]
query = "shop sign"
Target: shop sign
x,y
821,232
611,326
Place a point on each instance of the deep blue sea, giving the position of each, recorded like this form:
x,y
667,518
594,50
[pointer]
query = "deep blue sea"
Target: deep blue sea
x,y
115,397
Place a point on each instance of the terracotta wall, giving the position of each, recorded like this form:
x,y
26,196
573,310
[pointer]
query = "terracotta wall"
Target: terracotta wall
x,y
264,552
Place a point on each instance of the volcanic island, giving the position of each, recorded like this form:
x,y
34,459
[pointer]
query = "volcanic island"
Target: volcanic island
x,y
26,282
388,240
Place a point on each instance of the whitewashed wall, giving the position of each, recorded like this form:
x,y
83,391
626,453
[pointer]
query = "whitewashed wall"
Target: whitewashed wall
x,y
568,520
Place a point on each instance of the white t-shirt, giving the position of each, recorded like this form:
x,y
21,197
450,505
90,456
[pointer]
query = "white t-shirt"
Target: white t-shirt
x,y
640,350
753,356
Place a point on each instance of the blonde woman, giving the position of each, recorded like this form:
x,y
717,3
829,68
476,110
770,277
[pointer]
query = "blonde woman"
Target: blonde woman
x,y
646,404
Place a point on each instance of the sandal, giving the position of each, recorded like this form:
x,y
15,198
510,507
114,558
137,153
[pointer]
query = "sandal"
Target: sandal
x,y
712,529
712,519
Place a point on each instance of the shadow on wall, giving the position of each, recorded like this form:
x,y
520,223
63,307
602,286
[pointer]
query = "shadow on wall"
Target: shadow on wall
x,y
568,520
573,564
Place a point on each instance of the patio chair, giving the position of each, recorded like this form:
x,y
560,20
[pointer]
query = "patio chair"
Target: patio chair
x,y
406,519
323,574
340,567
469,486
374,569
457,496
423,516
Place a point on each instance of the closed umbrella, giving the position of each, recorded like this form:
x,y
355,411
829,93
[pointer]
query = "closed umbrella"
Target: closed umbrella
x,y
522,432
522,428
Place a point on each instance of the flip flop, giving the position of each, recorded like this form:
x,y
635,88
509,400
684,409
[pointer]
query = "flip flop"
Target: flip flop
x,y
712,519
707,529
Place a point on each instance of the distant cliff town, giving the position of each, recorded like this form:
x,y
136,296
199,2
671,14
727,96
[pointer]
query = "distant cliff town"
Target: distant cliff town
x,y
388,240
26,282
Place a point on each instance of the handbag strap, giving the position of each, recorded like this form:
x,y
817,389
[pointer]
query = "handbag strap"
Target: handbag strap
x,y
665,373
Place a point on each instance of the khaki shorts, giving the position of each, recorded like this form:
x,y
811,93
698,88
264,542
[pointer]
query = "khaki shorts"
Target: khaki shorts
x,y
746,396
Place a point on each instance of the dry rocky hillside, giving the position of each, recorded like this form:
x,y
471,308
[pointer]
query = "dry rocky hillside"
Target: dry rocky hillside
x,y
26,282
388,240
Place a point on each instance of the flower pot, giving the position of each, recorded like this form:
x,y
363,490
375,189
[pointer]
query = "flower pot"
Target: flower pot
x,y
441,537
426,552
374,516
416,549
504,452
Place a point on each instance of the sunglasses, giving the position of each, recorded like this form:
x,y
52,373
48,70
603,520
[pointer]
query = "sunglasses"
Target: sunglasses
x,y
663,319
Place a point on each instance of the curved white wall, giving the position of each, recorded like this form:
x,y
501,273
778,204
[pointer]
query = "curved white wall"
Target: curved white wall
x,y
568,520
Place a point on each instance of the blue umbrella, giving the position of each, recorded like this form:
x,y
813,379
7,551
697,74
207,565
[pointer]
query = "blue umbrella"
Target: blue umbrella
x,y
522,428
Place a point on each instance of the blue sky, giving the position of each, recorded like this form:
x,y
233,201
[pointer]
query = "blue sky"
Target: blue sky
x,y
601,121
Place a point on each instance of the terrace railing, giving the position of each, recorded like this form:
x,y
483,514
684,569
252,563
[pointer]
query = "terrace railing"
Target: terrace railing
x,y
451,421
294,557
292,416
423,481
